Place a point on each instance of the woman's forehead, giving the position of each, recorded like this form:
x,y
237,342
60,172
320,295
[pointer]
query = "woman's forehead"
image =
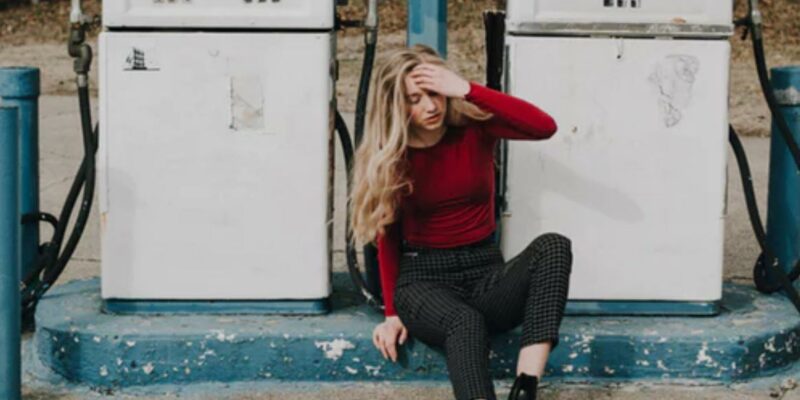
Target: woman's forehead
x,y
412,88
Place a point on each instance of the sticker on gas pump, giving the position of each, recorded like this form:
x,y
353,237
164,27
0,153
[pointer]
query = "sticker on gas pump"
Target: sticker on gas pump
x,y
141,59
247,104
674,78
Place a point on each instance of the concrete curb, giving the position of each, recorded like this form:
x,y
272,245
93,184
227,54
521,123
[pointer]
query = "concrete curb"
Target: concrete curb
x,y
755,336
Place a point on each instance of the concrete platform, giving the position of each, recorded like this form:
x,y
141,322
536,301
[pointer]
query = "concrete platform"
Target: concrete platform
x,y
755,336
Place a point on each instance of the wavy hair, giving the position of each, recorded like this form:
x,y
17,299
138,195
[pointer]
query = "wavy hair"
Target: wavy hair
x,y
380,175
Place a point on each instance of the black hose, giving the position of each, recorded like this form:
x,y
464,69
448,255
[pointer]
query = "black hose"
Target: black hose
x,y
40,217
89,147
53,259
769,267
363,89
494,23
768,273
369,288
370,297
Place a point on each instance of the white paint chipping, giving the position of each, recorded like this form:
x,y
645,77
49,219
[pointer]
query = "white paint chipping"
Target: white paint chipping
x,y
788,96
373,370
219,334
350,370
770,345
148,368
334,349
103,370
130,343
704,358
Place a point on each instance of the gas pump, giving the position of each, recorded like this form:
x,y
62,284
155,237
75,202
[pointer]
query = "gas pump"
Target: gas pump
x,y
636,177
215,170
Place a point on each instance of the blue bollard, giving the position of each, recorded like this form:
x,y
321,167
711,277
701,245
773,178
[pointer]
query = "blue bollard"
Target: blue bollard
x,y
427,24
10,377
19,86
783,213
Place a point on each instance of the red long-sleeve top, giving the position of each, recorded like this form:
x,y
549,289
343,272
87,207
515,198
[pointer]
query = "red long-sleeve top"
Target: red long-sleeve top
x,y
452,203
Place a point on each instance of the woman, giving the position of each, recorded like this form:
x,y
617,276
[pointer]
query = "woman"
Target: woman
x,y
424,190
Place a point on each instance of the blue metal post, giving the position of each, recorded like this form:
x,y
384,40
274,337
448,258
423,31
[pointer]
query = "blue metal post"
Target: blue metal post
x,y
783,213
427,24
19,86
10,377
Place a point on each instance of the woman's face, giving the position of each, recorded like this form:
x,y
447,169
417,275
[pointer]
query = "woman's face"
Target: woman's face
x,y
427,109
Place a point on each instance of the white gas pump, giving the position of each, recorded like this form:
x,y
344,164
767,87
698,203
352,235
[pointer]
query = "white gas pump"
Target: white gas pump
x,y
215,165
636,176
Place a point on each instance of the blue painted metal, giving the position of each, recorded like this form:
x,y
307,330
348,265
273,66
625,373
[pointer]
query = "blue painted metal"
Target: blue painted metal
x,y
427,24
754,336
783,213
19,86
283,307
643,308
10,377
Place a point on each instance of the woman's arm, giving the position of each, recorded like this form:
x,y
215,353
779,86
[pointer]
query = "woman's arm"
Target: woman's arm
x,y
388,260
513,118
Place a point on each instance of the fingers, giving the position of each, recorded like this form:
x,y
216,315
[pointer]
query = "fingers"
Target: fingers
x,y
375,339
430,68
382,347
403,335
387,345
391,349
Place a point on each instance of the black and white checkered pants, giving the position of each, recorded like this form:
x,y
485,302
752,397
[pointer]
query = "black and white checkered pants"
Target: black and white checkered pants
x,y
455,298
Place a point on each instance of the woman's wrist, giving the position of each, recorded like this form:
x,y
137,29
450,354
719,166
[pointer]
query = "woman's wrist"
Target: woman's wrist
x,y
465,89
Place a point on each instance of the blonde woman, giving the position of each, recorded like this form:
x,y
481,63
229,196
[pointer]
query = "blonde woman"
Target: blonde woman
x,y
424,191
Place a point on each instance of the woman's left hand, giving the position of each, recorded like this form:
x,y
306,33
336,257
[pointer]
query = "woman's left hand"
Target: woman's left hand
x,y
441,80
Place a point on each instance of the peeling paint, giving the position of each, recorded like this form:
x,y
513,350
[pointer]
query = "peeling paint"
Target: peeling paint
x,y
220,335
335,348
351,370
704,358
769,345
148,368
103,370
788,96
373,370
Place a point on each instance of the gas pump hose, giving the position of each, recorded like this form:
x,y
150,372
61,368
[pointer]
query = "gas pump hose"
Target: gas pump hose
x,y
371,295
52,257
769,274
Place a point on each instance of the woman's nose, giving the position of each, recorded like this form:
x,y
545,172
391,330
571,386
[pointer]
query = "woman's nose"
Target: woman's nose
x,y
430,105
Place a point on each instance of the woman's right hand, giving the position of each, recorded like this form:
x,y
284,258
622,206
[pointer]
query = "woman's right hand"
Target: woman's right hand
x,y
388,334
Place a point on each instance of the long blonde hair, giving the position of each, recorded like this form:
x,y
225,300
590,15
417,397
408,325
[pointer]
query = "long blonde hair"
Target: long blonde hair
x,y
380,175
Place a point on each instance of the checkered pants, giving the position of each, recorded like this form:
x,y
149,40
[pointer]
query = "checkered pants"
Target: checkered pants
x,y
455,298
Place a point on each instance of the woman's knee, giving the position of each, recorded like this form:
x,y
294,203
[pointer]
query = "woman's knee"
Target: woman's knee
x,y
553,240
467,320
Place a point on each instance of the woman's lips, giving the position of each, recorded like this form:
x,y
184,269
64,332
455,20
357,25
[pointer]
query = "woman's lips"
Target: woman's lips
x,y
433,118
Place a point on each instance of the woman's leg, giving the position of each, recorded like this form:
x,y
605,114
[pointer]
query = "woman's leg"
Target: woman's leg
x,y
531,289
437,315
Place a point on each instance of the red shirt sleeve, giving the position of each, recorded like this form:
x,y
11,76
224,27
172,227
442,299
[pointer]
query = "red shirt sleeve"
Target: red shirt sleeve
x,y
513,118
388,264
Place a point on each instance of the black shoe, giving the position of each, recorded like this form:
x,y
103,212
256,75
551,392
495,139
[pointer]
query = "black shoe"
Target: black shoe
x,y
524,387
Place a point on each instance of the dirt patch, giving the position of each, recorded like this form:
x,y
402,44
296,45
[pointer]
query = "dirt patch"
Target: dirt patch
x,y
35,35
